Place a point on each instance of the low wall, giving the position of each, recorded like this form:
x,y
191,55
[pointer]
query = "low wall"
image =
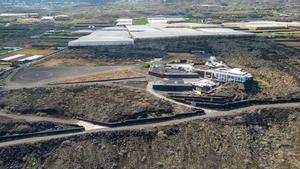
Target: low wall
x,y
146,120
173,87
238,104
40,134
174,75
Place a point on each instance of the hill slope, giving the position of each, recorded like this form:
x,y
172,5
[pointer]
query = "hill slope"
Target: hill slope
x,y
257,139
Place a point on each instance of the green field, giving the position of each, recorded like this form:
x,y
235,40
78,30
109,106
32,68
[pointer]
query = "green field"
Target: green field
x,y
140,21
3,51
54,40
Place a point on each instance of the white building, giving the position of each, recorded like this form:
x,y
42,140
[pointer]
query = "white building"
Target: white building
x,y
48,19
184,67
213,63
226,75
61,17
203,83
124,22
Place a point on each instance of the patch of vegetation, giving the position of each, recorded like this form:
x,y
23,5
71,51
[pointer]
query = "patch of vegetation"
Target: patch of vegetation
x,y
161,134
195,19
34,52
146,66
3,51
57,40
140,21
6,20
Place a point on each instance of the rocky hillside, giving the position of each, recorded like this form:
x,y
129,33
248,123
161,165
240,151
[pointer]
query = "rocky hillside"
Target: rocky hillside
x,y
268,138
102,103
275,67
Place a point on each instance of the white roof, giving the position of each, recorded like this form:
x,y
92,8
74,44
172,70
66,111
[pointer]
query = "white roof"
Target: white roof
x,y
223,31
63,16
191,25
237,71
115,28
31,58
12,57
148,32
83,31
124,21
157,20
164,19
234,71
102,37
158,28
17,14
47,18
177,32
261,24
203,83
181,65
294,24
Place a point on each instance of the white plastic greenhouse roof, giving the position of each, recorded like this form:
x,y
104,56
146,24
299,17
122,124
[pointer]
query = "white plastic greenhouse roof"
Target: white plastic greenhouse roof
x,y
157,29
102,37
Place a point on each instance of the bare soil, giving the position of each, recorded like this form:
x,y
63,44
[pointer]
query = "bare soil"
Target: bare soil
x,y
57,62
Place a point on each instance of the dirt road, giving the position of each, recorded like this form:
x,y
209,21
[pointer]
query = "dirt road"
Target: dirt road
x,y
143,126
32,118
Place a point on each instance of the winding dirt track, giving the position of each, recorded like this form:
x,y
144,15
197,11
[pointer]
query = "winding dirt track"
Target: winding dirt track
x,y
32,118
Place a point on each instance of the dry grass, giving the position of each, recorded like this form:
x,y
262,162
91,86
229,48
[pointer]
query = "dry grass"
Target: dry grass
x,y
55,62
291,44
34,52
107,76
27,20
